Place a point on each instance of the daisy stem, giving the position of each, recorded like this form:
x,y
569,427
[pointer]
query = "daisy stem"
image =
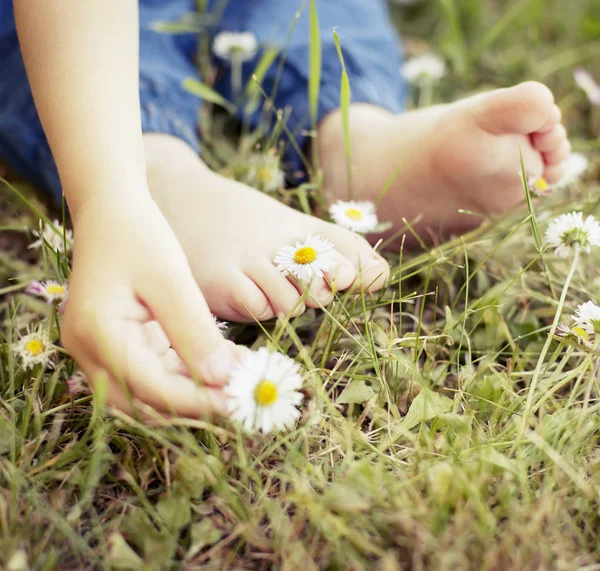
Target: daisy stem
x,y
540,362
236,77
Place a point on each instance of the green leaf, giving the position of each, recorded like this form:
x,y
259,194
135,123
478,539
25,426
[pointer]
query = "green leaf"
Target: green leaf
x,y
203,534
426,405
314,55
121,555
356,392
253,89
206,93
175,512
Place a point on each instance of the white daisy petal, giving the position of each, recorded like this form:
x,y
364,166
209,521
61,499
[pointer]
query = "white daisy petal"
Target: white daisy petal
x,y
50,290
60,240
240,46
575,166
587,316
307,259
586,82
354,215
426,67
264,173
34,348
263,392
569,230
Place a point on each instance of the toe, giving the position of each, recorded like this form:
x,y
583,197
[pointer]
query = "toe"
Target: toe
x,y
318,295
554,173
342,276
559,155
522,109
548,141
283,297
245,301
372,270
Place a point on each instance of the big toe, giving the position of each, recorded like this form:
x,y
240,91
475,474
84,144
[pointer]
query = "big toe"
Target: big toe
x,y
523,109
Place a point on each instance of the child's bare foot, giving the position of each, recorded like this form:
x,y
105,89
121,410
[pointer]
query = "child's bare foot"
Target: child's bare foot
x,y
231,233
463,155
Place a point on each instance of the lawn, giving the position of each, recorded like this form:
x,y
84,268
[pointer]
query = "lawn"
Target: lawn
x,y
446,424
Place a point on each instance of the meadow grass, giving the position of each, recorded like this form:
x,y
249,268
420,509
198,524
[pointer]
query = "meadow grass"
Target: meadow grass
x,y
441,428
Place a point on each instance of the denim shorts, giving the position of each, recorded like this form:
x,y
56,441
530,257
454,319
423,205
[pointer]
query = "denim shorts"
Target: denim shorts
x,y
369,42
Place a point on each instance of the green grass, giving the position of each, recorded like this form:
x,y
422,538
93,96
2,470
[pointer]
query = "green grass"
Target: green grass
x,y
433,435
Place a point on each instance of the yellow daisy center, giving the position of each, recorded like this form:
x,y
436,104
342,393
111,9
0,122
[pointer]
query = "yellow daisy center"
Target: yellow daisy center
x,y
541,185
55,289
354,214
35,347
305,255
265,393
581,332
264,174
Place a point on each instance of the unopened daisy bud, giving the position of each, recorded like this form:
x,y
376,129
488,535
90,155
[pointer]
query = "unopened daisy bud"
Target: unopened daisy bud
x,y
263,392
353,215
307,259
51,291
78,383
59,240
586,82
239,46
423,68
264,173
539,186
575,166
34,348
587,317
568,231
562,330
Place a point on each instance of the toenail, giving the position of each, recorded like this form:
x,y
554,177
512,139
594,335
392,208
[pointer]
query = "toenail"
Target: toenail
x,y
372,262
324,296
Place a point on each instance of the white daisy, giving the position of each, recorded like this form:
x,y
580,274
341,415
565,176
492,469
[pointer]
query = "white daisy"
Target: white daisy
x,y
264,172
78,383
586,82
56,239
51,290
307,260
587,316
263,392
238,46
575,165
426,67
34,348
569,230
356,216
539,186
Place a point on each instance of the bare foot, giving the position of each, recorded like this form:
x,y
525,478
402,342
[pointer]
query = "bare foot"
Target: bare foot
x,y
231,232
464,155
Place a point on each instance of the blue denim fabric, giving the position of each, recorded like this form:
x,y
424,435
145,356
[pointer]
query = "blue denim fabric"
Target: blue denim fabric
x,y
371,53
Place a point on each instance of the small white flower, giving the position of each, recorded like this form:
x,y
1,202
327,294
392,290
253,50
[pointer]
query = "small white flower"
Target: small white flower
x,y
307,260
356,216
78,383
55,239
575,165
587,316
264,172
586,82
426,67
539,186
51,290
239,46
569,230
576,332
34,348
263,392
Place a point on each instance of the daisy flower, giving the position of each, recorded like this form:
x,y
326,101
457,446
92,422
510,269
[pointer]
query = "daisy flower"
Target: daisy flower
x,y
356,216
539,186
56,239
577,333
586,82
307,260
587,317
569,230
264,172
426,67
51,290
34,348
78,383
239,46
263,392
575,165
